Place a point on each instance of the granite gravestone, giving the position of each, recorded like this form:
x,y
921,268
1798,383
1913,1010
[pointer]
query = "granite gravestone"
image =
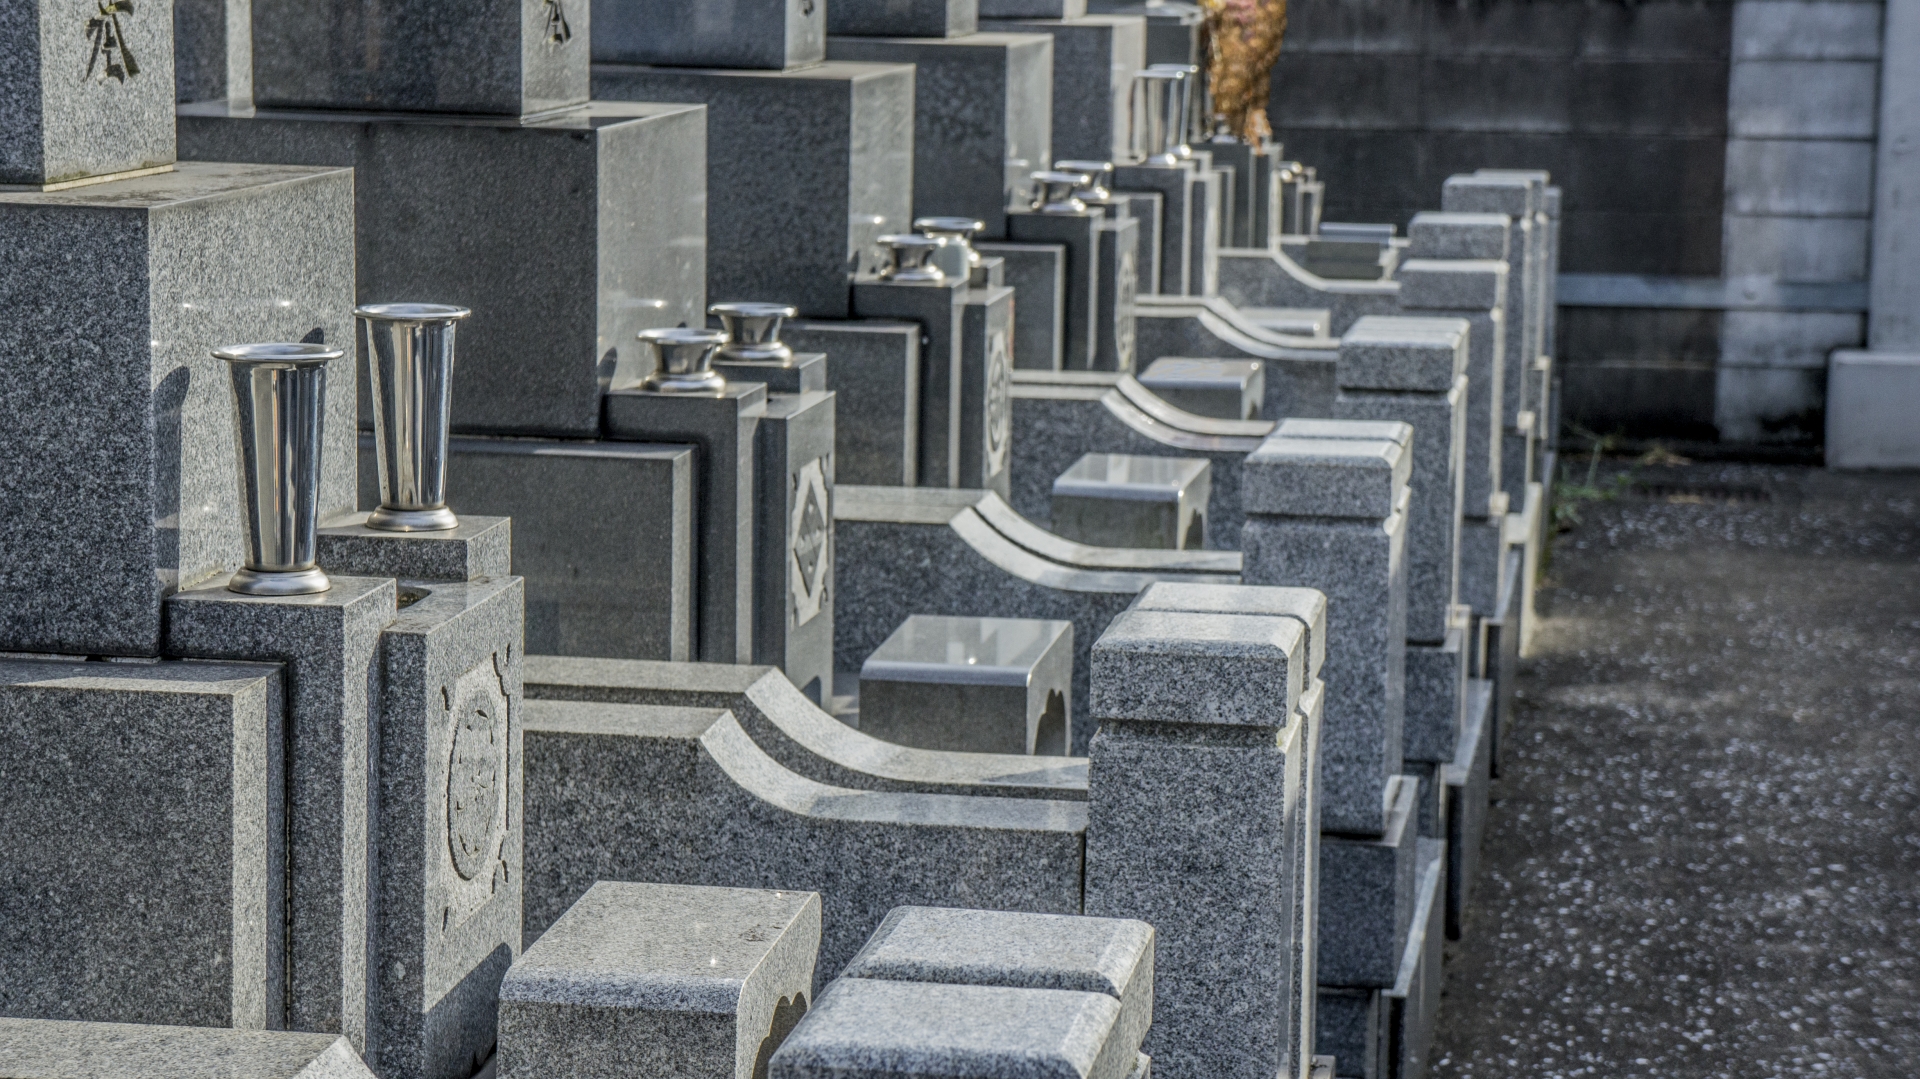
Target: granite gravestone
x,y
977,685
1120,500
1518,197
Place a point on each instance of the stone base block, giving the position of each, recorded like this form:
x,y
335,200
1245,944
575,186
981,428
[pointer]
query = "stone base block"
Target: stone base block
x,y
977,685
566,237
1467,780
1367,895
793,541
125,1051
479,547
873,369
146,849
1870,407
1037,274
117,295
667,979
1436,697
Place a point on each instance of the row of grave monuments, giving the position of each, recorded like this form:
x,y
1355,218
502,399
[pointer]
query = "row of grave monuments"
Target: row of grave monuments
x,y
1060,519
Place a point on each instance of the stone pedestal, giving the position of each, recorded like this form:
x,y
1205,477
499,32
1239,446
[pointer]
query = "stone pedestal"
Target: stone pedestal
x,y
88,92
1192,769
905,18
566,237
1114,336
975,685
983,117
1185,227
1515,196
1037,273
939,308
1118,500
130,423
722,428
146,824
796,233
793,541
1332,514
1080,235
806,374
1094,60
772,34
875,377
1470,289
1223,389
986,388
127,1051
477,547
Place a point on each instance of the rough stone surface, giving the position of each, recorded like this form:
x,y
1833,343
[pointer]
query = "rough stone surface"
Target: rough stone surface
x,y
1037,273
127,1051
1094,60
1326,476
873,369
675,980
869,1029
120,421
973,685
60,124
1199,668
904,18
450,825
1367,892
1410,355
574,233
796,234
760,34
145,847
477,547
683,796
1698,660
418,56
940,310
1304,605
330,646
1434,234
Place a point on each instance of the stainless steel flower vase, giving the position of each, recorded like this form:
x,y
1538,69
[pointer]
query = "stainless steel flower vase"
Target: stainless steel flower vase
x,y
1099,175
958,258
1056,192
1180,113
279,409
683,360
409,348
910,258
753,332
1153,120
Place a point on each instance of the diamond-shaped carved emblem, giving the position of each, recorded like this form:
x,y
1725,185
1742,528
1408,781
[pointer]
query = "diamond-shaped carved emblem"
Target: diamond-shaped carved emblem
x,y
807,534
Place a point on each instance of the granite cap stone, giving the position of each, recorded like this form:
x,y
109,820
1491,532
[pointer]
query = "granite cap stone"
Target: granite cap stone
x,y
57,1049
1474,284
1437,234
903,18
1012,949
1199,668
1419,355
1508,193
1294,475
661,947
862,1029
1307,605
1032,9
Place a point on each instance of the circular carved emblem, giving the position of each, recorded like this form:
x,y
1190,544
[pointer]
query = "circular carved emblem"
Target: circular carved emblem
x,y
999,402
477,772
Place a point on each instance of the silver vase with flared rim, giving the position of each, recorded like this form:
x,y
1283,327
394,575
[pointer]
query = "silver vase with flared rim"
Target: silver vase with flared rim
x,y
1058,192
1099,175
409,350
279,418
910,258
1180,118
683,360
1153,120
753,332
958,259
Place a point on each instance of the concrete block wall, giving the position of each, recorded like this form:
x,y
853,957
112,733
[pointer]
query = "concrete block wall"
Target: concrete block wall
x,y
1801,110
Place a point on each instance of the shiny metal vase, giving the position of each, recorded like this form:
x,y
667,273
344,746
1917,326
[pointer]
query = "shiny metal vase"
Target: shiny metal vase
x,y
409,349
279,413
1155,120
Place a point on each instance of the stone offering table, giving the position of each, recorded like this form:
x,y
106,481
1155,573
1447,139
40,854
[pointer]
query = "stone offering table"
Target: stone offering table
x,y
1117,500
979,685
1222,389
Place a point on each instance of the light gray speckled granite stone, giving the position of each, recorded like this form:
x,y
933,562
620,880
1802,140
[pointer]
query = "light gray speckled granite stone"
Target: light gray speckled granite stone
x,y
796,234
526,56
121,486
904,18
1032,9
759,34
869,1030
450,826
1434,234
1360,563
1182,194
723,428
1079,234
1408,355
940,310
1429,290
1188,667
1518,195
796,733
1436,696
1319,476
1113,956
145,832
575,233
1304,605
86,92
213,49
1452,283
873,369
330,644
983,117
1094,61
1037,274
793,540
126,1051
672,980
683,796
1367,890
478,547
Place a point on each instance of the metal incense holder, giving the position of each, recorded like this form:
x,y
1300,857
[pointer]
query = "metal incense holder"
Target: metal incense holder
x,y
958,259
1057,192
753,332
683,360
279,414
409,349
910,258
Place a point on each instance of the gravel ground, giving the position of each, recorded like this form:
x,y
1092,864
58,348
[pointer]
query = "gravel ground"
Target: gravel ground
x,y
1704,858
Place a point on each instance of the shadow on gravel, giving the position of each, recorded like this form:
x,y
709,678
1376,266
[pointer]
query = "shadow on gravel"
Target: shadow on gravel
x,y
1704,856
